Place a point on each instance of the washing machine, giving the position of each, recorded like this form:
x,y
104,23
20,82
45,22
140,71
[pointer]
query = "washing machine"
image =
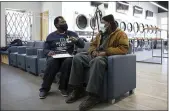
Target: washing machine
x,y
81,21
81,24
129,30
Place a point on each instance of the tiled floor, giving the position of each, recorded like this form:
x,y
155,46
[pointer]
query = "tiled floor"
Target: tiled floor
x,y
19,91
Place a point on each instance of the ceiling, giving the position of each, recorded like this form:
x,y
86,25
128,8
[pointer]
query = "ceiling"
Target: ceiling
x,y
164,4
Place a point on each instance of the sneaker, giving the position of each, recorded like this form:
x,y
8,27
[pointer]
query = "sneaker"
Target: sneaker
x,y
64,93
42,95
89,103
75,95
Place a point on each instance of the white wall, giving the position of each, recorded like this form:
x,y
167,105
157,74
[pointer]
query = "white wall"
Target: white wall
x,y
159,16
84,7
55,9
30,6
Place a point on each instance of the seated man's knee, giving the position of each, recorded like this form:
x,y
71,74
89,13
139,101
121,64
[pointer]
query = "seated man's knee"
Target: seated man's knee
x,y
68,60
98,60
50,61
77,58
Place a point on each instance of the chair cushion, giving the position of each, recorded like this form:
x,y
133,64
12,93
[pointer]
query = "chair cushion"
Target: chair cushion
x,y
31,64
33,56
41,65
4,52
21,61
30,43
39,44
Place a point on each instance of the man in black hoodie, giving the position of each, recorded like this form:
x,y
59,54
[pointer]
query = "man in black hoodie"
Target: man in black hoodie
x,y
57,42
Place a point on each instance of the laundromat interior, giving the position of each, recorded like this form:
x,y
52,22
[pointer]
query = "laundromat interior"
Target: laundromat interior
x,y
144,22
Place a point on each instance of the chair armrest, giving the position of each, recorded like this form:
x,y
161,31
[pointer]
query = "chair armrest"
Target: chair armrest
x,y
22,49
40,53
12,49
31,51
121,74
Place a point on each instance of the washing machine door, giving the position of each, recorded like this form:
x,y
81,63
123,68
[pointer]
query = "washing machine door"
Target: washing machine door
x,y
129,27
141,27
147,30
151,31
135,27
117,23
81,21
155,30
93,23
123,26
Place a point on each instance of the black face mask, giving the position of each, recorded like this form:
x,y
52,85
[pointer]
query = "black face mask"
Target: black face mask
x,y
63,27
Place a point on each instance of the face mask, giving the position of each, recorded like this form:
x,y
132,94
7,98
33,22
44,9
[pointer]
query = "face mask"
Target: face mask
x,y
63,27
103,28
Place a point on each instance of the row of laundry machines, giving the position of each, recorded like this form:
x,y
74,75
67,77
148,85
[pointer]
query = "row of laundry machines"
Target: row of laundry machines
x,y
148,44
86,27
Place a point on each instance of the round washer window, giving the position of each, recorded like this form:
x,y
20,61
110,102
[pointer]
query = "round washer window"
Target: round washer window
x,y
146,26
135,27
155,30
151,31
81,21
141,27
93,23
117,23
129,27
123,26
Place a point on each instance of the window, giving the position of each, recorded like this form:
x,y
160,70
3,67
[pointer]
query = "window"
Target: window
x,y
18,25
164,26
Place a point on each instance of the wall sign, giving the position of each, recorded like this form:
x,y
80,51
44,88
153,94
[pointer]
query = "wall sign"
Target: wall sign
x,y
149,14
122,7
137,11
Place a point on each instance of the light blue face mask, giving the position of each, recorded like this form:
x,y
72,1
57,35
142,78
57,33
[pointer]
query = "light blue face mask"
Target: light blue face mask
x,y
103,28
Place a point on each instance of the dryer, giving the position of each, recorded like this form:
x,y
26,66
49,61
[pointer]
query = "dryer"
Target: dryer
x,y
81,21
81,24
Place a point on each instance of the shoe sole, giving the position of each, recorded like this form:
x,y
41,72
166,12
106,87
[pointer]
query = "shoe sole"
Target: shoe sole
x,y
63,94
42,97
89,107
76,99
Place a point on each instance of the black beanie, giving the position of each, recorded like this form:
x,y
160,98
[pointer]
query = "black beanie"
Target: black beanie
x,y
109,18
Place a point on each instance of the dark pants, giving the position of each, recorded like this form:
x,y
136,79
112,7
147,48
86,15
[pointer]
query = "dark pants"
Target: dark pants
x,y
65,74
96,68
54,66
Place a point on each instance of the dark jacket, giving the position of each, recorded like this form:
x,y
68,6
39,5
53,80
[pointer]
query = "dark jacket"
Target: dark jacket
x,y
56,41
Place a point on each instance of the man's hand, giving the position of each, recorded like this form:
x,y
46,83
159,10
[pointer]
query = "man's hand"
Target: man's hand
x,y
94,53
102,54
51,53
73,39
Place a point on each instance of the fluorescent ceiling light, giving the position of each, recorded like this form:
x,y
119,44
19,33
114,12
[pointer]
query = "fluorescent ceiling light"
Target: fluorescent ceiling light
x,y
159,6
123,3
